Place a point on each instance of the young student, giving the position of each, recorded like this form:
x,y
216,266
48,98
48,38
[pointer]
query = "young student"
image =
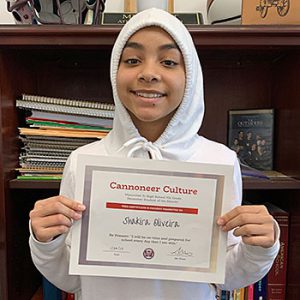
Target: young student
x,y
158,91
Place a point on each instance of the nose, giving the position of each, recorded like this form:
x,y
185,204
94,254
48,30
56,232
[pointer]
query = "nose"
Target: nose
x,y
149,74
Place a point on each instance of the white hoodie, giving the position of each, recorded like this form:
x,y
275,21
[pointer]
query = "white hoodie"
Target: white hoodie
x,y
244,264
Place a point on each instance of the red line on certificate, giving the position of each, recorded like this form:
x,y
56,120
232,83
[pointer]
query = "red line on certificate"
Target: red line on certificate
x,y
168,209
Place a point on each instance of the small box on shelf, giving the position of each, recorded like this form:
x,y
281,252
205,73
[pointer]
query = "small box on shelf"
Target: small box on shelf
x,y
267,12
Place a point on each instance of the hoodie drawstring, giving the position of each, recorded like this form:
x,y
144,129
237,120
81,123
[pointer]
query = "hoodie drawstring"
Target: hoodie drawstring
x,y
138,143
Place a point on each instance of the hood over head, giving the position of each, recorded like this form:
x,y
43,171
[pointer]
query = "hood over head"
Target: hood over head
x,y
181,133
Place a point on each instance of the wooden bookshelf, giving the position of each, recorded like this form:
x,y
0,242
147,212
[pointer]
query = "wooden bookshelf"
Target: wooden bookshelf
x,y
243,66
248,184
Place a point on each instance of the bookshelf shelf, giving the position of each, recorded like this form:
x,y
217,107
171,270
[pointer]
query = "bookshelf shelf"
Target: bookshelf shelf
x,y
34,184
271,184
105,35
244,67
248,184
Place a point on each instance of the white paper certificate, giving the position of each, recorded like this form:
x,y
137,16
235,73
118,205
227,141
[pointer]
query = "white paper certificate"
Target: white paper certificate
x,y
150,219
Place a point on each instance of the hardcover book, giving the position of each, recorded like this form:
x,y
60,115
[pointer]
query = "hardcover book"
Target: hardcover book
x,y
260,289
250,135
50,291
273,285
276,281
250,292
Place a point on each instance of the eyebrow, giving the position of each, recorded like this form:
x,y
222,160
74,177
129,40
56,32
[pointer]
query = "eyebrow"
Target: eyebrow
x,y
139,46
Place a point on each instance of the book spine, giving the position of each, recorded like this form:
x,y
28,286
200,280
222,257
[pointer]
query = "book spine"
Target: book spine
x,y
250,292
239,294
260,289
70,296
242,293
50,292
26,177
225,295
75,119
277,274
69,102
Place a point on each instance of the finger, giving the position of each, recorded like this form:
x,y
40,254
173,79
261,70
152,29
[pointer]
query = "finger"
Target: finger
x,y
263,241
55,208
252,209
256,230
57,205
53,220
247,218
57,224
47,234
64,200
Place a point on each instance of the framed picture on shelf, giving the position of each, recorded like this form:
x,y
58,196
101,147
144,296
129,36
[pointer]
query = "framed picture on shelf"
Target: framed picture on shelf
x,y
251,136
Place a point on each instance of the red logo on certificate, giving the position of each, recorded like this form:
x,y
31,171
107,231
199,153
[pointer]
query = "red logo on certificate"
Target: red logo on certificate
x,y
148,253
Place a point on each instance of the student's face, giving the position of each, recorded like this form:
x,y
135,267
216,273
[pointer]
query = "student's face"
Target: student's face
x,y
151,77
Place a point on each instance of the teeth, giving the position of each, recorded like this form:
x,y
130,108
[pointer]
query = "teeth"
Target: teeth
x,y
149,95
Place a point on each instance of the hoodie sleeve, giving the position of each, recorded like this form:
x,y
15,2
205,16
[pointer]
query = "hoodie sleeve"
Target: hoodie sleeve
x,y
246,264
52,258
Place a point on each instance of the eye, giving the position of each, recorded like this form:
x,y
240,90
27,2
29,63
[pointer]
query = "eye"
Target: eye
x,y
169,63
131,61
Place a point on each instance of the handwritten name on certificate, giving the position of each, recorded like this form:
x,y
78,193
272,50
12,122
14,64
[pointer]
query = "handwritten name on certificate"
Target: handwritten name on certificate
x,y
150,219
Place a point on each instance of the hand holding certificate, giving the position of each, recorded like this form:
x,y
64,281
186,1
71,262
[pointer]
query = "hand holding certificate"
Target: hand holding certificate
x,y
150,219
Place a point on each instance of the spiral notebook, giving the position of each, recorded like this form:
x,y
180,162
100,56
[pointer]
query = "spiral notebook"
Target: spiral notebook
x,y
75,119
66,106
57,127
69,102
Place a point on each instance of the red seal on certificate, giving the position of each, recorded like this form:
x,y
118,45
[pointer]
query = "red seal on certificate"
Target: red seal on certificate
x,y
148,253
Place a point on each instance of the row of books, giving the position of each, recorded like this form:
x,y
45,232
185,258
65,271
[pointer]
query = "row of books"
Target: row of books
x,y
273,285
56,127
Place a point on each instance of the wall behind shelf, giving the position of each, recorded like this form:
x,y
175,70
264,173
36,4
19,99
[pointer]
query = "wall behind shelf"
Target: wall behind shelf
x,y
286,95
5,16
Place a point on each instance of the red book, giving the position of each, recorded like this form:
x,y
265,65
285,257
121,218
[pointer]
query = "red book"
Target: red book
x,y
250,292
276,278
67,296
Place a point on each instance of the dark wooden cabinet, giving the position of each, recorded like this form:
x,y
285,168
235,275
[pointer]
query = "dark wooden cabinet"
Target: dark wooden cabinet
x,y
243,67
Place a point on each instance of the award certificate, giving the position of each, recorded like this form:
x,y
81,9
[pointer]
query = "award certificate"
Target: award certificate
x,y
150,219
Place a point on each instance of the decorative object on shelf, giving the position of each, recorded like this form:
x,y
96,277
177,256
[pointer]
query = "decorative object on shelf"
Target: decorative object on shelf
x,y
190,18
224,12
113,18
122,18
56,11
250,135
145,4
271,12
132,6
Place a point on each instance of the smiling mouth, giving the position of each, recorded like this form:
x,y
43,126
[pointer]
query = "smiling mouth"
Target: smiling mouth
x,y
149,95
